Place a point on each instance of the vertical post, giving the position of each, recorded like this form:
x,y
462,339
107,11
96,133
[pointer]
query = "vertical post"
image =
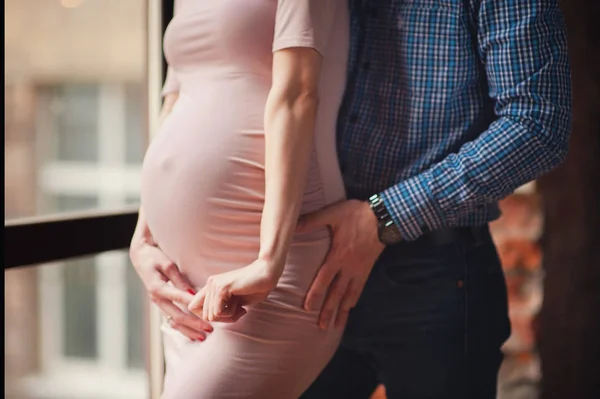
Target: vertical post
x,y
570,326
154,74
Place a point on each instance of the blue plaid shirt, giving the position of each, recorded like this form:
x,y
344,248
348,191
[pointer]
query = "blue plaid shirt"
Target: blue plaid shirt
x,y
451,105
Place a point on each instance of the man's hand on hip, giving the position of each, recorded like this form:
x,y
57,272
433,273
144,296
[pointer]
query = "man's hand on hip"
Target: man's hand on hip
x,y
354,249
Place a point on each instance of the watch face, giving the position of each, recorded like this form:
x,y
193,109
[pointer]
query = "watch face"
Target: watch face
x,y
390,235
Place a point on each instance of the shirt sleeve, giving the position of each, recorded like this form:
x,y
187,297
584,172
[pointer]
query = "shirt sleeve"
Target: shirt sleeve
x,y
304,23
171,84
524,49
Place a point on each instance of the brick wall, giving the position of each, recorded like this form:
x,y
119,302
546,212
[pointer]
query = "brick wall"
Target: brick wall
x,y
517,236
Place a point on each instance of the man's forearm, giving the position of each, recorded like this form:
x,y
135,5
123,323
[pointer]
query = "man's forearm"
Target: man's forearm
x,y
483,172
529,80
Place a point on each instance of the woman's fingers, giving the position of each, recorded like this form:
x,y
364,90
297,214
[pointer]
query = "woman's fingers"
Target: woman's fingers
x,y
237,314
196,305
204,301
188,332
207,302
179,280
216,303
228,308
164,291
224,303
190,325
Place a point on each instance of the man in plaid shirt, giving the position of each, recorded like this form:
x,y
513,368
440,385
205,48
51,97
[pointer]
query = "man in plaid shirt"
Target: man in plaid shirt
x,y
450,106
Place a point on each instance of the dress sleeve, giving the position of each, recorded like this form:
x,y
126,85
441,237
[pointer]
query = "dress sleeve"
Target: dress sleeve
x,y
304,23
171,82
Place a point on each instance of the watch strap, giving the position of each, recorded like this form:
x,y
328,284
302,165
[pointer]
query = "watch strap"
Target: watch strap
x,y
387,230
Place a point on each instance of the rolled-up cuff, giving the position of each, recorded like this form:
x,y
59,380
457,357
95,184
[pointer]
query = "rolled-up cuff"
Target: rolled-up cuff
x,y
413,207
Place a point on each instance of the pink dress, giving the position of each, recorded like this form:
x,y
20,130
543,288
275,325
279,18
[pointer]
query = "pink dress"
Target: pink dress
x,y
203,189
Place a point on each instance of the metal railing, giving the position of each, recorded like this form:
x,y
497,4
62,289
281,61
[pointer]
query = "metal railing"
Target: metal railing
x,y
42,240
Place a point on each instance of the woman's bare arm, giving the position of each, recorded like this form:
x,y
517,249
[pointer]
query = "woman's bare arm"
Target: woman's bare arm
x,y
301,34
290,116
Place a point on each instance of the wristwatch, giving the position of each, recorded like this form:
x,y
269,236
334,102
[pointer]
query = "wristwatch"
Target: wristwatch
x,y
386,228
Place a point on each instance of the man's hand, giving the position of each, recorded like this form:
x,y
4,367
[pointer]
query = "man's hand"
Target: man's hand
x,y
156,270
354,249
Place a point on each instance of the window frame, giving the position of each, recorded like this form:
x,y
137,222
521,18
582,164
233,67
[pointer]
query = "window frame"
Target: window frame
x,y
57,238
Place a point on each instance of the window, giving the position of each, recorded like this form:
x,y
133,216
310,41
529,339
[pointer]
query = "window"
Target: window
x,y
75,102
136,310
135,127
79,295
74,116
88,133
92,322
76,122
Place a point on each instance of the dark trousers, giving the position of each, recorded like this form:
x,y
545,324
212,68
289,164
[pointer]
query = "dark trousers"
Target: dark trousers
x,y
429,324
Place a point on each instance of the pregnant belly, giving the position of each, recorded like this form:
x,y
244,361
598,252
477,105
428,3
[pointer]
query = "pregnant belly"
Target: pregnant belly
x,y
203,182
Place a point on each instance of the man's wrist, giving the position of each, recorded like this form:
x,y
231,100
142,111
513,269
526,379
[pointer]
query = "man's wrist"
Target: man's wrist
x,y
414,207
388,232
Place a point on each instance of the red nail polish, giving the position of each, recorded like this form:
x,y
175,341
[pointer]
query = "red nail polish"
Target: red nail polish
x,y
209,329
201,339
191,291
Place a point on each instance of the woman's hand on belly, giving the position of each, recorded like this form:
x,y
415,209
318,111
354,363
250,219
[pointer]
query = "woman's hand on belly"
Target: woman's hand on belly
x,y
224,296
156,270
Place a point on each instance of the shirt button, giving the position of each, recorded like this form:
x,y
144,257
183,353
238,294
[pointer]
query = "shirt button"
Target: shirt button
x,y
353,118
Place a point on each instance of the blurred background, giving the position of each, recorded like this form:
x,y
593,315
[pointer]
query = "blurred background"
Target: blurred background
x,y
75,134
79,89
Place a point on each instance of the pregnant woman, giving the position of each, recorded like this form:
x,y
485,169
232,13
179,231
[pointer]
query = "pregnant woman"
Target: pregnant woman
x,y
248,146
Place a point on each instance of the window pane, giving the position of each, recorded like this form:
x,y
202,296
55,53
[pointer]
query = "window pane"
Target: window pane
x,y
75,101
70,203
76,329
136,139
81,316
74,110
133,200
136,310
